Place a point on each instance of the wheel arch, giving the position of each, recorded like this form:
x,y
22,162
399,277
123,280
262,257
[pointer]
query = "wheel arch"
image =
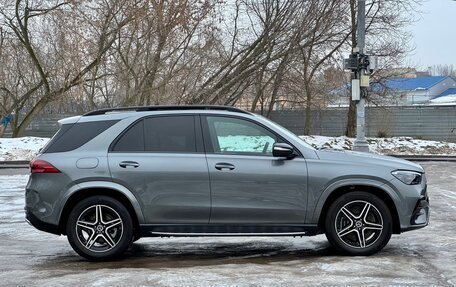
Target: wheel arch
x,y
126,198
372,189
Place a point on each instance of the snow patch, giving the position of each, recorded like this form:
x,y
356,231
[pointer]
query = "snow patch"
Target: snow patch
x,y
24,148
446,100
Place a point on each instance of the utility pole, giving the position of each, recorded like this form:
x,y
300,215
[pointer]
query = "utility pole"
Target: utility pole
x,y
361,65
360,143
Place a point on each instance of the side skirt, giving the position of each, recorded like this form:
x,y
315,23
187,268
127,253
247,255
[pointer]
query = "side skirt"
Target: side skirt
x,y
150,230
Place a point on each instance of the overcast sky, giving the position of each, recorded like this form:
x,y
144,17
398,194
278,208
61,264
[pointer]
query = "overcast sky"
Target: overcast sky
x,y
435,35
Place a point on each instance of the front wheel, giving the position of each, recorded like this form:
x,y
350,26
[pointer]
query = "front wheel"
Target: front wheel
x,y
99,228
358,223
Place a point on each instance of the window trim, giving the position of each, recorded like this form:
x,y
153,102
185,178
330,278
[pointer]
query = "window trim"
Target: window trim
x,y
210,149
197,130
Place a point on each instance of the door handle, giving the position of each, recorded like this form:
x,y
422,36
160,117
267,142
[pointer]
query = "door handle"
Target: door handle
x,y
224,166
126,164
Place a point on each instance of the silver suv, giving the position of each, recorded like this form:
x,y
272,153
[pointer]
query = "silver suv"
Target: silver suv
x,y
112,176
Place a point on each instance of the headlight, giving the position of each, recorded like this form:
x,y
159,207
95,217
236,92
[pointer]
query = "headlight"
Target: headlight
x,y
408,177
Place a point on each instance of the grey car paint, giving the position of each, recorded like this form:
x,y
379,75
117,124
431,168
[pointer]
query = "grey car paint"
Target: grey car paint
x,y
335,169
259,190
170,188
326,171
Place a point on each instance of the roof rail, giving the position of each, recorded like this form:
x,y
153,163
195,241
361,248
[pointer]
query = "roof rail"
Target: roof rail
x,y
165,108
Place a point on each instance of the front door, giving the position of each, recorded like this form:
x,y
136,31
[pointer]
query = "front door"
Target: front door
x,y
248,184
161,160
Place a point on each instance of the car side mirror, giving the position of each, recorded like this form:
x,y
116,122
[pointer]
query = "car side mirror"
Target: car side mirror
x,y
283,150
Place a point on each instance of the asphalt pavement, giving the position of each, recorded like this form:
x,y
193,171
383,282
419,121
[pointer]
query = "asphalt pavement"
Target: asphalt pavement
x,y
423,257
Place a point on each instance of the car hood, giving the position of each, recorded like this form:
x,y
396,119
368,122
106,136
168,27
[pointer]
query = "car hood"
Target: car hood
x,y
363,158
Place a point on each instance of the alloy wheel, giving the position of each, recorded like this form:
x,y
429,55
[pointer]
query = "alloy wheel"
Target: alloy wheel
x,y
358,224
99,228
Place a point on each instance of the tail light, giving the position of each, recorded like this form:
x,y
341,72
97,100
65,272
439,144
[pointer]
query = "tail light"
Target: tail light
x,y
42,166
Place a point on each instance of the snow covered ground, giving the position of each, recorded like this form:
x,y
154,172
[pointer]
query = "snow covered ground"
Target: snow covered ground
x,y
23,148
390,146
26,147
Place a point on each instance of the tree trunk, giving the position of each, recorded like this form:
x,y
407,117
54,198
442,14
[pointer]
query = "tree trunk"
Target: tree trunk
x,y
350,130
277,83
20,128
308,117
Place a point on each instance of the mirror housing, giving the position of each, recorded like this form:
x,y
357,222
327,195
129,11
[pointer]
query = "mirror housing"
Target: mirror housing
x,y
283,150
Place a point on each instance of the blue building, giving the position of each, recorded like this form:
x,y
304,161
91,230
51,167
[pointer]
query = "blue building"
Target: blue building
x,y
415,91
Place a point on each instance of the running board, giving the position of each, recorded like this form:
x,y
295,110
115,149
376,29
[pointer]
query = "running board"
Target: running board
x,y
227,230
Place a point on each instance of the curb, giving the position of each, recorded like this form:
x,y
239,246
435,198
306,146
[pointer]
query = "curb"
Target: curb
x,y
14,164
439,158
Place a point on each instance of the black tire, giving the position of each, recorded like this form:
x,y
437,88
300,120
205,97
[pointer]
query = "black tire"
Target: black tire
x,y
353,222
100,240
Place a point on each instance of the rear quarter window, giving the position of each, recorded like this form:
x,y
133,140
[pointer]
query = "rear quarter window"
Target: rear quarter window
x,y
73,136
132,140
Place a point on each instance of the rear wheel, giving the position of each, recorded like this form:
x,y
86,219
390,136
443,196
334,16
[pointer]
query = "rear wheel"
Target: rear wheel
x,y
99,228
358,223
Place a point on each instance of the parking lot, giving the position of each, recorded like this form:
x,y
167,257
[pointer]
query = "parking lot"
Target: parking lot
x,y
419,258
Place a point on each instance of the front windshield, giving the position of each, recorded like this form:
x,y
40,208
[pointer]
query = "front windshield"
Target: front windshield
x,y
286,131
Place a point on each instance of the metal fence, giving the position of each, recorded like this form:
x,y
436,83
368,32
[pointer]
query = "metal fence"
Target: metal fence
x,y
44,125
425,122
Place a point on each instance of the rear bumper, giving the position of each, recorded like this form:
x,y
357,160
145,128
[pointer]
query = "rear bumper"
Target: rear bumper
x,y
40,225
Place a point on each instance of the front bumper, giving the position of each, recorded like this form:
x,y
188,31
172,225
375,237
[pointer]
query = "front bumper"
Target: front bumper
x,y
40,225
420,215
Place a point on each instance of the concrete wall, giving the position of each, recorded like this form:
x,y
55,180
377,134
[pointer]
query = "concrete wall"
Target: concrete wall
x,y
426,122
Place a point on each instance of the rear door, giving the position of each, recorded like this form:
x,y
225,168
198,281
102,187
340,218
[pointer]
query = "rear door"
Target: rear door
x,y
248,184
161,160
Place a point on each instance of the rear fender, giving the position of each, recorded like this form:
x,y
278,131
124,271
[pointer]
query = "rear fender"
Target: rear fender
x,y
80,187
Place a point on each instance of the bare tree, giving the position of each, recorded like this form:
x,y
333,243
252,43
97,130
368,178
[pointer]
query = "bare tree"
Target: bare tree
x,y
327,38
73,56
55,73
442,70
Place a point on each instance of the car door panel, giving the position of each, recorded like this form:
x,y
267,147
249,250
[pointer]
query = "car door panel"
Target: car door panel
x,y
171,188
259,190
167,169
248,184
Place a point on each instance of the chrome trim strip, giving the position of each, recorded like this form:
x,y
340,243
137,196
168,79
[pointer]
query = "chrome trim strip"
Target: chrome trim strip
x,y
228,234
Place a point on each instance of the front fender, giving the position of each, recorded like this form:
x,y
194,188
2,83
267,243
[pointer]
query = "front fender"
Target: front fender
x,y
80,187
380,184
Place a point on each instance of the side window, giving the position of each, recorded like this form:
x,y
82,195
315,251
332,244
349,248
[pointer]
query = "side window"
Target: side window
x,y
237,136
159,134
132,140
170,134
